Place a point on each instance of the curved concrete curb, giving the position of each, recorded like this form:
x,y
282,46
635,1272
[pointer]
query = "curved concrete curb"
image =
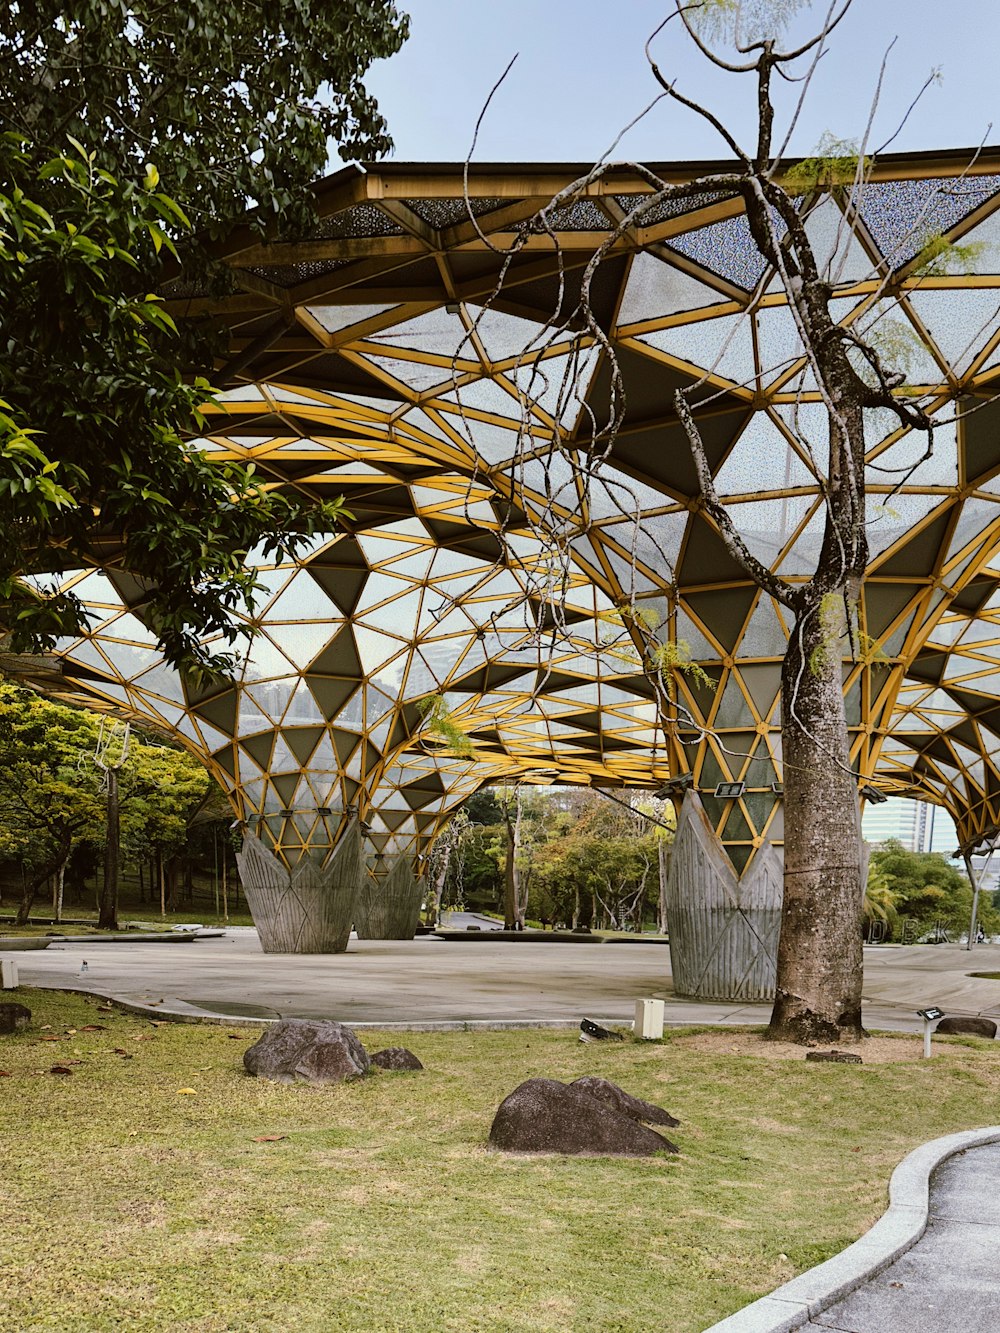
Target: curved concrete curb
x,y
897,1230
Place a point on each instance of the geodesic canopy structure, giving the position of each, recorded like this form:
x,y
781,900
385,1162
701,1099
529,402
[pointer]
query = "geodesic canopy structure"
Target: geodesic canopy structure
x,y
416,353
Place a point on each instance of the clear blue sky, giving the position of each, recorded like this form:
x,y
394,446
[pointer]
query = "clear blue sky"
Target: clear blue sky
x,y
581,76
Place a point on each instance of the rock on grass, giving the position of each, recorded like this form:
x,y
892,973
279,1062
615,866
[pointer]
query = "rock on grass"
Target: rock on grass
x,y
544,1116
313,1051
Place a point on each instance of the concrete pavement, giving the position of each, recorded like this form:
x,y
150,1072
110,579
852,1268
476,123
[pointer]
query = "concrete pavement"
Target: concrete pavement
x,y
928,1265
948,1280
432,981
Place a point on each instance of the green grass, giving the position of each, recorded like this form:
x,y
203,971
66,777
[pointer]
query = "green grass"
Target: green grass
x,y
127,1205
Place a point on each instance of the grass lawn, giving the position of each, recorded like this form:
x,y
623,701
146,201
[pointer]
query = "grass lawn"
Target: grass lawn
x,y
126,1204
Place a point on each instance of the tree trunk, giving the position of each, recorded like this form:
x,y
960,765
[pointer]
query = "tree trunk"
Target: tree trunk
x,y
663,856
225,885
107,917
818,991
513,912
437,888
60,888
162,882
32,886
510,879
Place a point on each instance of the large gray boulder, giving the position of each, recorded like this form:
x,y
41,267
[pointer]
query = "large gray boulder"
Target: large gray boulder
x,y
634,1107
545,1116
317,1051
13,1016
967,1027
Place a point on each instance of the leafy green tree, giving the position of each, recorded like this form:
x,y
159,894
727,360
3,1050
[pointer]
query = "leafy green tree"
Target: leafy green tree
x,y
163,790
48,801
236,101
924,888
93,468
229,104
52,798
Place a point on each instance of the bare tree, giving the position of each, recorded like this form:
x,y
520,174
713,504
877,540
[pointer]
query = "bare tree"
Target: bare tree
x,y
820,954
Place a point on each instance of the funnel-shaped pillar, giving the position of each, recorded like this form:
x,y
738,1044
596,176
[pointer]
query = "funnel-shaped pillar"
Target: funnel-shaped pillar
x,y
389,908
723,929
306,909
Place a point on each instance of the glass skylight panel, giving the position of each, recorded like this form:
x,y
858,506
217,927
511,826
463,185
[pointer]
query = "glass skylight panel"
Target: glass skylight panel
x,y
416,375
764,635
902,215
889,517
504,336
962,328
250,718
334,318
264,658
656,289
762,460
300,641
698,645
438,332
893,466
803,557
778,343
839,254
303,599
976,515
727,248
722,346
483,395
887,328
557,385
767,525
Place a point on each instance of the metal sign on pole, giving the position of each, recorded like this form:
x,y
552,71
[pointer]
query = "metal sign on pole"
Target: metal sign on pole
x,y
929,1016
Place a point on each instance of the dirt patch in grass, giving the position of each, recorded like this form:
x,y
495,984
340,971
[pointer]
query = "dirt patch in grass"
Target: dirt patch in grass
x,y
876,1050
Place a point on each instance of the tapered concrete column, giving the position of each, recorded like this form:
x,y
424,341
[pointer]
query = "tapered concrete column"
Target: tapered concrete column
x,y
309,908
389,908
723,929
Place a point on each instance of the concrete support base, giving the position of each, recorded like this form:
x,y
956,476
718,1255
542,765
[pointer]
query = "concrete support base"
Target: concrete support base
x,y
389,909
723,929
310,908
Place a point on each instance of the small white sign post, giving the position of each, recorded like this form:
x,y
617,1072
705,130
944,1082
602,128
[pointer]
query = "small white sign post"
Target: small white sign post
x,y
929,1016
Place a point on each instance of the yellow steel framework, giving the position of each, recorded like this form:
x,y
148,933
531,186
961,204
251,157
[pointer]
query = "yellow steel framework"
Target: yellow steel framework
x,y
383,358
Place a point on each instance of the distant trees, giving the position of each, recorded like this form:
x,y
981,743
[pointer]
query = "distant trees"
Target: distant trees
x,y
52,802
558,856
923,888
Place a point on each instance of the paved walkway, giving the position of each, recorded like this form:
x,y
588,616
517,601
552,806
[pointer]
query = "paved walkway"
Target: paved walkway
x,y
429,980
949,1282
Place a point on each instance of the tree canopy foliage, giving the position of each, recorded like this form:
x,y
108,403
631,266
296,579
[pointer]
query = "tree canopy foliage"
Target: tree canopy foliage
x,y
924,888
236,101
582,861
51,797
224,105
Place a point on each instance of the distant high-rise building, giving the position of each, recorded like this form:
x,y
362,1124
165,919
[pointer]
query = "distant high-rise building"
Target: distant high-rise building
x,y
919,826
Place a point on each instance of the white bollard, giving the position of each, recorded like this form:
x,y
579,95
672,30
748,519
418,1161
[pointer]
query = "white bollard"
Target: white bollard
x,y
8,974
648,1019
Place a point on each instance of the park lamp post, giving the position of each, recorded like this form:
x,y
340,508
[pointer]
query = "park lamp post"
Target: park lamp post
x,y
930,1015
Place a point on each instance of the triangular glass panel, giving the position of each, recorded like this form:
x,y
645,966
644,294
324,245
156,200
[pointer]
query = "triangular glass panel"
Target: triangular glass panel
x,y
721,347
762,460
656,289
961,323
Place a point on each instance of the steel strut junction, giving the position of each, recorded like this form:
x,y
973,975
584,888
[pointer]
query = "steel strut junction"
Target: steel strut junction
x,y
412,355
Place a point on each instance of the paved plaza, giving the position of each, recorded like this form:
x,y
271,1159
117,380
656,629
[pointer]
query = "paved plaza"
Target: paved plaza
x,y
431,980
